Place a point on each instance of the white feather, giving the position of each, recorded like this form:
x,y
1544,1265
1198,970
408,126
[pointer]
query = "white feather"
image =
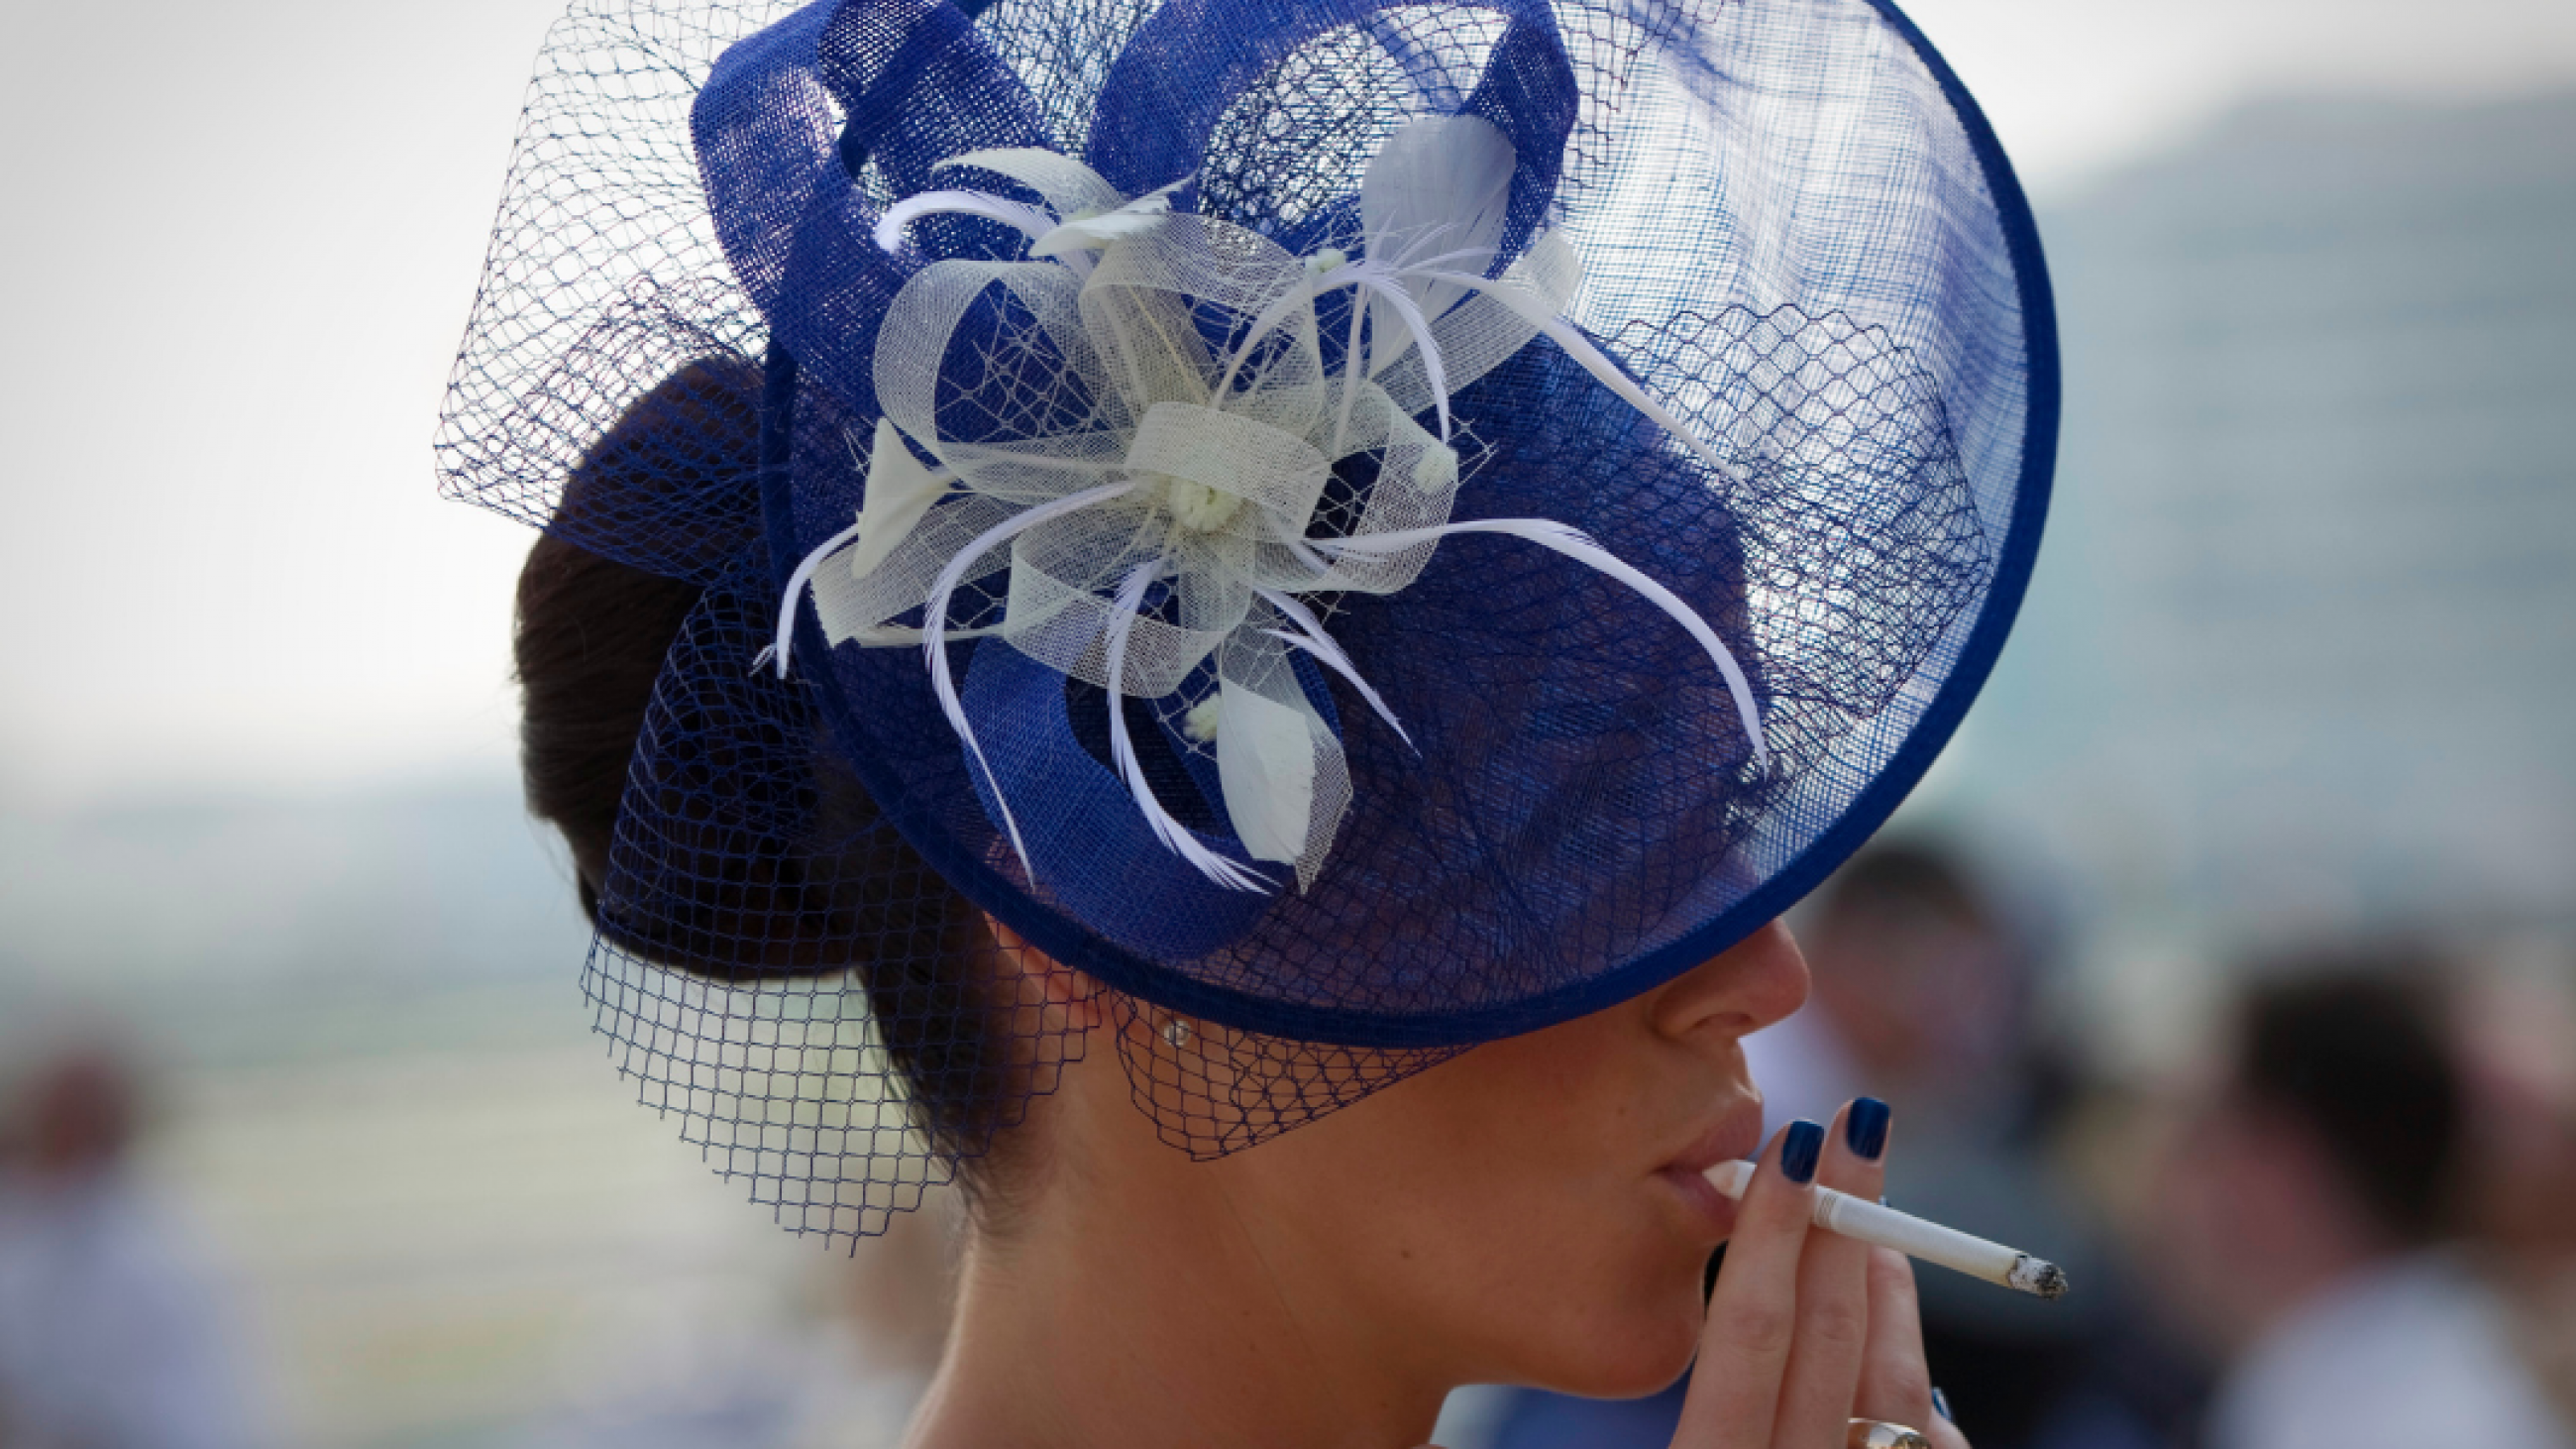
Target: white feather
x,y
1271,316
1122,751
1575,544
1535,309
1398,301
795,592
1091,233
1444,180
934,626
1312,638
1029,219
1068,185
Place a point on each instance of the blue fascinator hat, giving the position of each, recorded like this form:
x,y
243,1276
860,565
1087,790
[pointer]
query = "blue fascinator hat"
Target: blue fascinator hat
x,y
1359,529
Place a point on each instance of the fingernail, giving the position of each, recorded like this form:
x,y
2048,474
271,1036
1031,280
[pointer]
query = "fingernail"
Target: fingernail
x,y
1941,1404
1865,1128
1798,1155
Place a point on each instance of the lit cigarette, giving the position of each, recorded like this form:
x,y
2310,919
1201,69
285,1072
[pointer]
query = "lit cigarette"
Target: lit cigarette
x,y
1869,1222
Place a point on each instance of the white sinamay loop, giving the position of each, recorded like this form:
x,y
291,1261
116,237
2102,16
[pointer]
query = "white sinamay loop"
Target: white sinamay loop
x,y
1152,455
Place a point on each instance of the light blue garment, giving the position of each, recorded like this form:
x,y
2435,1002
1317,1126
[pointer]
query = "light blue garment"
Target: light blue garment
x,y
2410,1355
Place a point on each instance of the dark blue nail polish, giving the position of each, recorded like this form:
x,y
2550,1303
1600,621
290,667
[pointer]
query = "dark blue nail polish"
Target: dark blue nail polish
x,y
1941,1404
1798,1155
1865,1128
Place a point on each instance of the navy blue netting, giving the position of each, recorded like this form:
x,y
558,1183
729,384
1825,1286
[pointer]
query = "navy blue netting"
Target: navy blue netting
x,y
1794,237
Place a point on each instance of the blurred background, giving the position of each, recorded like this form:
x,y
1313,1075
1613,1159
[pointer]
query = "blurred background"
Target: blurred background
x,y
2273,787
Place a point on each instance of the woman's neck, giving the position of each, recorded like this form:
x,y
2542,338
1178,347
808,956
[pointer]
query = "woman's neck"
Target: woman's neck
x,y
1130,1306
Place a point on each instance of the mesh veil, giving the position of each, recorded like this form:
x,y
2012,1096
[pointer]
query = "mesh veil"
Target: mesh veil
x,y
1795,234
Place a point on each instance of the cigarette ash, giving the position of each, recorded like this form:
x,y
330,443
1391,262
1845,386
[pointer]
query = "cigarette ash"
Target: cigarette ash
x,y
2039,1276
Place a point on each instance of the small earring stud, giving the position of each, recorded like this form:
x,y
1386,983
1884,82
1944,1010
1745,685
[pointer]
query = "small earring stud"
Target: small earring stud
x,y
1176,1032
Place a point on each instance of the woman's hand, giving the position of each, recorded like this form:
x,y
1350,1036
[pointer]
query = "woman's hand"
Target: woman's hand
x,y
1808,1330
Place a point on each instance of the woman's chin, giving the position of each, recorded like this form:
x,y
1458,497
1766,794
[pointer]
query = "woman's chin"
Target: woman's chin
x,y
1639,1355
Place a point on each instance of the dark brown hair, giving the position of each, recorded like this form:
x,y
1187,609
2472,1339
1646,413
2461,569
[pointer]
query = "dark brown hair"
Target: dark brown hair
x,y
591,632
2351,1046
591,638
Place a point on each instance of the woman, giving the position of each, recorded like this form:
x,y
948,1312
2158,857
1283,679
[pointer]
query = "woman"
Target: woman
x,y
1283,543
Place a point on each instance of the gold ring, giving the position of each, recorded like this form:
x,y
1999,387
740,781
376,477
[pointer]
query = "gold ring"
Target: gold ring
x,y
1875,1434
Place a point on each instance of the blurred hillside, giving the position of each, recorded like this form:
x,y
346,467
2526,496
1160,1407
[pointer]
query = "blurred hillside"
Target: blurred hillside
x,y
254,928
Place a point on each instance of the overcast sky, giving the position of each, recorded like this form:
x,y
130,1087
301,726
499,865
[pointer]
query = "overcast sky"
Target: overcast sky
x,y
241,243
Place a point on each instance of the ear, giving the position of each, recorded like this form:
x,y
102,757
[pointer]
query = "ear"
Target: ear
x,y
1068,996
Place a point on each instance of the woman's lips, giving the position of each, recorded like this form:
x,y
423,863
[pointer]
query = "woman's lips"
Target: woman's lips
x,y
1736,1134
1710,1209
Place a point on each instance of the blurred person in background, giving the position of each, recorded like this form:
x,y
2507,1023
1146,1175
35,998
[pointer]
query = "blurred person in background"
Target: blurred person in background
x,y
113,1331
2309,1212
2519,1182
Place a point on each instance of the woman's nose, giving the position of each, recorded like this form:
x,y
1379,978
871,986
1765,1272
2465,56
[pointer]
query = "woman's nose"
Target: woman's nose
x,y
1743,989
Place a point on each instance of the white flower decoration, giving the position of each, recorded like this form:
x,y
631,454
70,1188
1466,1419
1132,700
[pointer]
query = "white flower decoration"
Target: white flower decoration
x,y
1139,454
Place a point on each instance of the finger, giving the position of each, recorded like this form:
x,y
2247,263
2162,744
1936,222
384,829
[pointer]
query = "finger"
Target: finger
x,y
1753,1315
1943,1431
1894,1384
1833,1289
